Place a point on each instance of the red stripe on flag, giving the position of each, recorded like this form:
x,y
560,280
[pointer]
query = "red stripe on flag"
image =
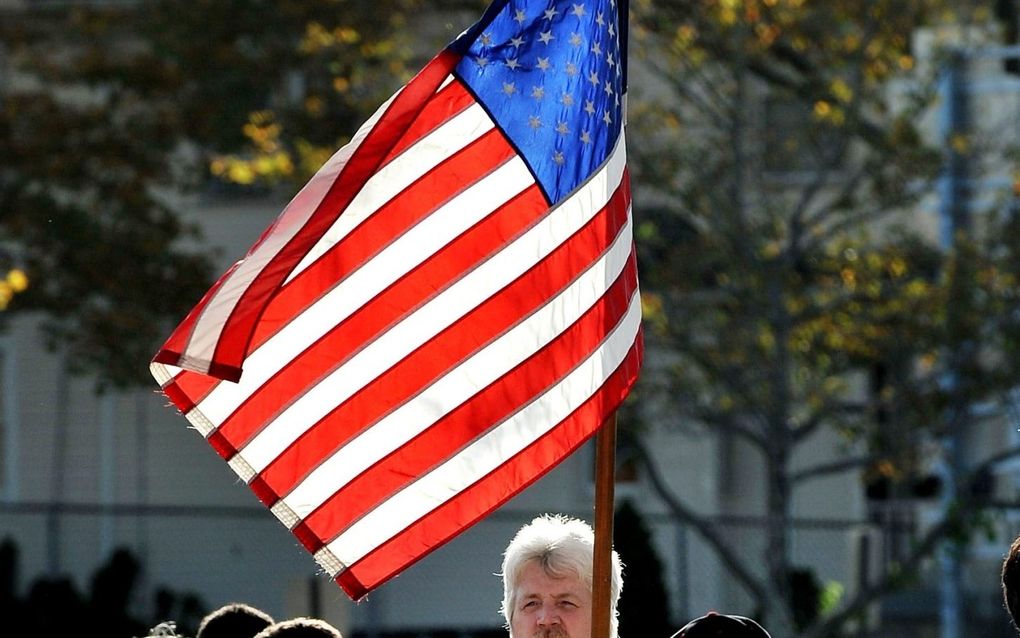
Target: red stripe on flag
x,y
191,387
178,397
471,505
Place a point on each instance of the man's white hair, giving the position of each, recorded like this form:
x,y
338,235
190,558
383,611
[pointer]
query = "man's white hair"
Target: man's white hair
x,y
563,546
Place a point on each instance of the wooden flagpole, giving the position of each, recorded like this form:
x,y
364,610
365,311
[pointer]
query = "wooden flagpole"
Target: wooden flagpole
x,y
602,564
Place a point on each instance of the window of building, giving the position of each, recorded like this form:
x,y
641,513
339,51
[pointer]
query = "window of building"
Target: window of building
x,y
1009,16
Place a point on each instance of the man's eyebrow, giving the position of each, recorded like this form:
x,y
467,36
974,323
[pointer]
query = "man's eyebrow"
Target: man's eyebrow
x,y
568,594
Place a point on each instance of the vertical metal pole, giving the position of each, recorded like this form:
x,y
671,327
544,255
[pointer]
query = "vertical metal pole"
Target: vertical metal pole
x,y
953,203
605,485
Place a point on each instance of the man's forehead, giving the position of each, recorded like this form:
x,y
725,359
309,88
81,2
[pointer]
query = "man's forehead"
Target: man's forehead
x,y
538,593
536,580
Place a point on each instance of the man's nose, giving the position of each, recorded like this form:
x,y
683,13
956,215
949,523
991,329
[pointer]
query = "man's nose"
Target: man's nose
x,y
548,615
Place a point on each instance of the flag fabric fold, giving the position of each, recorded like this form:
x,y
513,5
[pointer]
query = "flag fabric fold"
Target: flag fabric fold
x,y
444,312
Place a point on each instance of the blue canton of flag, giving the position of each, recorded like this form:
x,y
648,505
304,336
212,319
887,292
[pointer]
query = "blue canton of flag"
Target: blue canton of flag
x,y
553,76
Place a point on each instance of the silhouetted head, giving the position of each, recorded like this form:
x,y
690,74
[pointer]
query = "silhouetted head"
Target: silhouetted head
x,y
713,625
1011,582
300,628
236,620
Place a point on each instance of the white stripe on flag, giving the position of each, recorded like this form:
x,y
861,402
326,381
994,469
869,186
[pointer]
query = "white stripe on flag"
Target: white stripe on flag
x,y
463,382
163,372
486,454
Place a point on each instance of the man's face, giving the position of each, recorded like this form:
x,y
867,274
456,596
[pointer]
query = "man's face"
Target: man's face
x,y
548,607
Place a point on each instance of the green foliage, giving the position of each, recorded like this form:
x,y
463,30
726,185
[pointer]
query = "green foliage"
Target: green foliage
x,y
830,596
809,598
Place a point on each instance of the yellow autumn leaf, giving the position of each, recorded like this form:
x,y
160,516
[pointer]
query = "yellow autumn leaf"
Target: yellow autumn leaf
x,y
17,280
241,173
897,267
314,105
841,90
347,35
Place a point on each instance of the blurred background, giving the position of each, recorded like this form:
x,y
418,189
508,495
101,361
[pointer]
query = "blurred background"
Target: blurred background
x,y
826,434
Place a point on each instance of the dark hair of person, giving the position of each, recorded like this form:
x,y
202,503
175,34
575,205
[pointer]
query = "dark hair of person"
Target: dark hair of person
x,y
236,620
1011,582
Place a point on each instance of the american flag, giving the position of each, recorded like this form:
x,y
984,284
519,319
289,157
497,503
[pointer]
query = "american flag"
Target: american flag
x,y
444,312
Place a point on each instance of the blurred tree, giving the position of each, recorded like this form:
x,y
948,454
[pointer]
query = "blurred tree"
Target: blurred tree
x,y
86,233
111,109
644,606
778,173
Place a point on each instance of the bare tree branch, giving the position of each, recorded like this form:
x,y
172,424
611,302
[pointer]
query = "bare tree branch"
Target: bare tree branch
x,y
829,411
835,467
729,425
733,563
